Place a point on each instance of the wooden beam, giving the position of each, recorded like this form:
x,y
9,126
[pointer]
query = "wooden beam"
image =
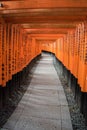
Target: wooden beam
x,y
49,30
53,11
50,36
45,19
48,25
43,4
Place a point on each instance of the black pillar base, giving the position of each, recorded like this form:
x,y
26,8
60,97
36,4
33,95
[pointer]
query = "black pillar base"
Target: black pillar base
x,y
80,97
1,98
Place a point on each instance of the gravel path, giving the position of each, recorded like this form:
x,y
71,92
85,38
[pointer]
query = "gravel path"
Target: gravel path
x,y
77,118
44,105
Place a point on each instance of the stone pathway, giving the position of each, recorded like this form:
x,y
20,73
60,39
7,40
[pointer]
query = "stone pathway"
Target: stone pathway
x,y
44,105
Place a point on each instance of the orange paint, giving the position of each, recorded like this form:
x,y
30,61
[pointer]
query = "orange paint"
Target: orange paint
x,y
1,30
